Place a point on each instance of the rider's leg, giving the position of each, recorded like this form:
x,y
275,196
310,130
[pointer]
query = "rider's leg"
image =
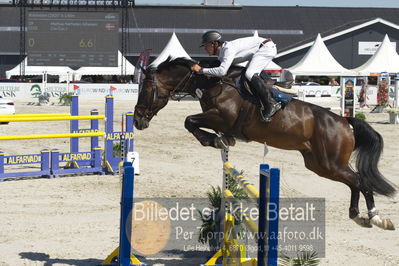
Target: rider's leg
x,y
259,61
270,106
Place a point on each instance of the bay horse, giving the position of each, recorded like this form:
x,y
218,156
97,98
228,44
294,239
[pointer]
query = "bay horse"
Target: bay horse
x,y
325,140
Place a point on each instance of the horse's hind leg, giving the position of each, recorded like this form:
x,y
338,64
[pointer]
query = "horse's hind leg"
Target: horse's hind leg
x,y
337,172
211,120
354,213
375,219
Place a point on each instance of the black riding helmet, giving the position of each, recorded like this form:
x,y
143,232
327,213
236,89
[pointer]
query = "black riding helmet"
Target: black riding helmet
x,y
211,36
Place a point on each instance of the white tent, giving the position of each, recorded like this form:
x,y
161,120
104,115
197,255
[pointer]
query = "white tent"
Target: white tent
x,y
61,71
124,67
173,48
318,61
385,59
273,66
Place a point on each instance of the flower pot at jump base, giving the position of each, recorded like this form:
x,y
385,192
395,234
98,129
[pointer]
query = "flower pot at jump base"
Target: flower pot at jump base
x,y
393,118
378,109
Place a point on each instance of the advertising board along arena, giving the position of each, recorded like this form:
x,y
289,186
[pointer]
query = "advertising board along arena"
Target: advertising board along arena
x,y
87,91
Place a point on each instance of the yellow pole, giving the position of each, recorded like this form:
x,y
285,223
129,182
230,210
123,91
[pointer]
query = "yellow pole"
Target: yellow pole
x,y
244,182
52,136
35,115
55,118
249,223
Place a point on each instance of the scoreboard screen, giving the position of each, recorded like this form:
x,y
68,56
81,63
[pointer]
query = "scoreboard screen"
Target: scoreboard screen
x,y
72,39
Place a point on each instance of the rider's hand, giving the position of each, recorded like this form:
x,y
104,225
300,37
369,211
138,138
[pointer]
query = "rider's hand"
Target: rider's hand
x,y
196,68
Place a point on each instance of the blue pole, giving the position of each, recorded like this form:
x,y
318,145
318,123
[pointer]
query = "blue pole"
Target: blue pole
x,y
55,162
274,207
45,162
126,219
109,136
1,164
263,176
129,131
74,124
96,162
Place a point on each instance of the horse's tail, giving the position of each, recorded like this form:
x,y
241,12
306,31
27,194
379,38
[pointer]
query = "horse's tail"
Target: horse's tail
x,y
369,145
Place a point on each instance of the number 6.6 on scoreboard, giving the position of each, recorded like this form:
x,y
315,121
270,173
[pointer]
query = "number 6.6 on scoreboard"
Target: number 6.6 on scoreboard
x,y
86,43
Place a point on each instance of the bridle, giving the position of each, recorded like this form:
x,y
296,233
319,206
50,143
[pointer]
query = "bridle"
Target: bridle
x,y
180,87
154,96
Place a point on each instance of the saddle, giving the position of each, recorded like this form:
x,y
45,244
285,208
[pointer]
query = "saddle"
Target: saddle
x,y
281,90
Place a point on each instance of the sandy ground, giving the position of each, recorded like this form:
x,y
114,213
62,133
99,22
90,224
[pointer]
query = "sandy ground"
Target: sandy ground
x,y
74,220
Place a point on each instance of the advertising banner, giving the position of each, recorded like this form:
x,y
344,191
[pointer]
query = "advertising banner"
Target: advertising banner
x,y
93,91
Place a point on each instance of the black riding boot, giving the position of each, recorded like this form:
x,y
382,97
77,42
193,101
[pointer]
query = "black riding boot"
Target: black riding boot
x,y
269,105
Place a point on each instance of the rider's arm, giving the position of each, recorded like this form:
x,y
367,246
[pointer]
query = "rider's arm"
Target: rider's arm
x,y
226,59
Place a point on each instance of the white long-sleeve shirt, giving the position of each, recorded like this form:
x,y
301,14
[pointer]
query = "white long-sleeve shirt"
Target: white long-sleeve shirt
x,y
234,52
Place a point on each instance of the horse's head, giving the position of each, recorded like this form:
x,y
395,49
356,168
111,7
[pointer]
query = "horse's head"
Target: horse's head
x,y
158,85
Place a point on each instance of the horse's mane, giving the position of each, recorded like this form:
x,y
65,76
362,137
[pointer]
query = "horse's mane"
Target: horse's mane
x,y
180,61
170,63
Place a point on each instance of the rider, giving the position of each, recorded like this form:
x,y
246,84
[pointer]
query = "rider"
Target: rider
x,y
258,51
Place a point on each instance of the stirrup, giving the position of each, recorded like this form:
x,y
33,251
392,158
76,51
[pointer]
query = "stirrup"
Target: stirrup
x,y
268,117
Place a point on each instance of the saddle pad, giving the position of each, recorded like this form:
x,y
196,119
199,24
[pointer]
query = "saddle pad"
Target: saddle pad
x,y
281,96
245,94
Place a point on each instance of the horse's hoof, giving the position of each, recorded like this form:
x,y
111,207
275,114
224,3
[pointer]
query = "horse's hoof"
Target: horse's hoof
x,y
221,143
388,224
385,224
230,140
362,221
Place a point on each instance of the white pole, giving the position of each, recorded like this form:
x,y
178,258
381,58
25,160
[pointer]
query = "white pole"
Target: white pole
x,y
365,85
342,83
354,101
68,81
44,80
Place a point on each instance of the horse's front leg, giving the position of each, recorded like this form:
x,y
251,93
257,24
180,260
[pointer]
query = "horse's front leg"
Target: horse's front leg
x,y
211,120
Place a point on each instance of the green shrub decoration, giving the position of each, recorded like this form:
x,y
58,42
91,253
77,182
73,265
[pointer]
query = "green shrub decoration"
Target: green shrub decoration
x,y
65,99
361,116
215,200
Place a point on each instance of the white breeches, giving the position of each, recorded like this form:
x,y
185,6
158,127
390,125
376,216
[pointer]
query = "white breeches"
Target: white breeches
x,y
261,59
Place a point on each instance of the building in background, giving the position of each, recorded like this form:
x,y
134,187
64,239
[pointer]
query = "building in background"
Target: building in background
x,y
350,34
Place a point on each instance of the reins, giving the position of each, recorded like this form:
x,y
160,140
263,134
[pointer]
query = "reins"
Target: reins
x,y
185,80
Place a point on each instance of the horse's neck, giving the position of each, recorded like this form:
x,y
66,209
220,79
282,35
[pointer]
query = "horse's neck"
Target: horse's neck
x,y
189,84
